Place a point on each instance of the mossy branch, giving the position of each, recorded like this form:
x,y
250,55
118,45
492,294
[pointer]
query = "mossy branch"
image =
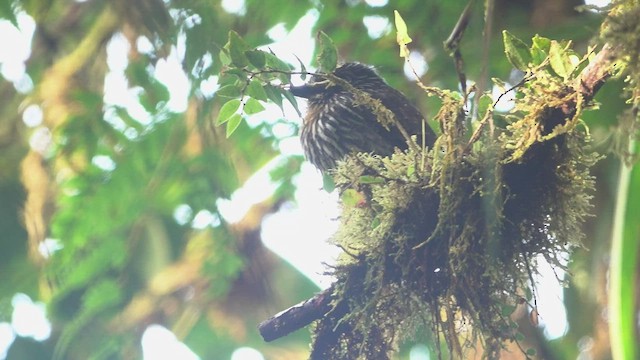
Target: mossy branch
x,y
343,295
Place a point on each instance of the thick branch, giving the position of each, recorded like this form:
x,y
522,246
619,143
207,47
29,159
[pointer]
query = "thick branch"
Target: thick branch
x,y
297,316
597,72
587,85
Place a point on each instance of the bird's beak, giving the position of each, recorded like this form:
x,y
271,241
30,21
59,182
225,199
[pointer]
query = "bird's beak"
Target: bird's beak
x,y
308,90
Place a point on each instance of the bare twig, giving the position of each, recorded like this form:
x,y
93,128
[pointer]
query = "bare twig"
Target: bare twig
x,y
452,44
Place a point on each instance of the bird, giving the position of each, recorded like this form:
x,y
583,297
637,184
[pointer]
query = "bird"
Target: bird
x,y
336,125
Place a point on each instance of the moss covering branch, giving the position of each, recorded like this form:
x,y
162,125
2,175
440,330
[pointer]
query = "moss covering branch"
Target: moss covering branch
x,y
455,242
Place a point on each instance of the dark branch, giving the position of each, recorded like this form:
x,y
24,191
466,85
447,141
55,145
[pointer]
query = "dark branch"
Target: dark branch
x,y
297,316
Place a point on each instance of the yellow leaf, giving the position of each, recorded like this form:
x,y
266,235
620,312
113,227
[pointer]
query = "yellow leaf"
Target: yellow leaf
x,y
402,35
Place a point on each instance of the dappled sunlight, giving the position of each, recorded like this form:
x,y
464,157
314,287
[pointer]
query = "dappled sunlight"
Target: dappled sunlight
x,y
156,202
158,343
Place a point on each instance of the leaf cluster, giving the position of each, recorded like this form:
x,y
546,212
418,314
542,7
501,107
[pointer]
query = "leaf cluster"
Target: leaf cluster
x,y
249,77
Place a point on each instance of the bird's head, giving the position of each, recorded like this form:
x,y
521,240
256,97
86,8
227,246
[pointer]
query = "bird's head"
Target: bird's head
x,y
360,76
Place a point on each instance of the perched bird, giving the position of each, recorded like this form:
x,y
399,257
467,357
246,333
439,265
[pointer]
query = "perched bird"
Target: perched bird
x,y
336,124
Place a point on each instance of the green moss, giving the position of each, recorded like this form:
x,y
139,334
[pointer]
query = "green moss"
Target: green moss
x,y
622,31
446,239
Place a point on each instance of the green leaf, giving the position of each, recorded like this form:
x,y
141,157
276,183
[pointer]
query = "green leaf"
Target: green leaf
x,y
303,69
517,51
352,198
484,103
327,183
507,310
227,110
225,59
274,94
255,89
252,106
227,79
232,124
257,58
230,91
292,100
531,352
402,34
328,54
232,76
368,179
539,49
241,74
528,294
275,63
237,47
560,60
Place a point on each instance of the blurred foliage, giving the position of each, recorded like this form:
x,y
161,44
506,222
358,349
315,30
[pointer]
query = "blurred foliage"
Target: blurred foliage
x,y
107,182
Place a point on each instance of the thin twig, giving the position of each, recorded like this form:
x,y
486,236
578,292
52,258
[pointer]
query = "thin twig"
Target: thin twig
x,y
452,44
486,46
